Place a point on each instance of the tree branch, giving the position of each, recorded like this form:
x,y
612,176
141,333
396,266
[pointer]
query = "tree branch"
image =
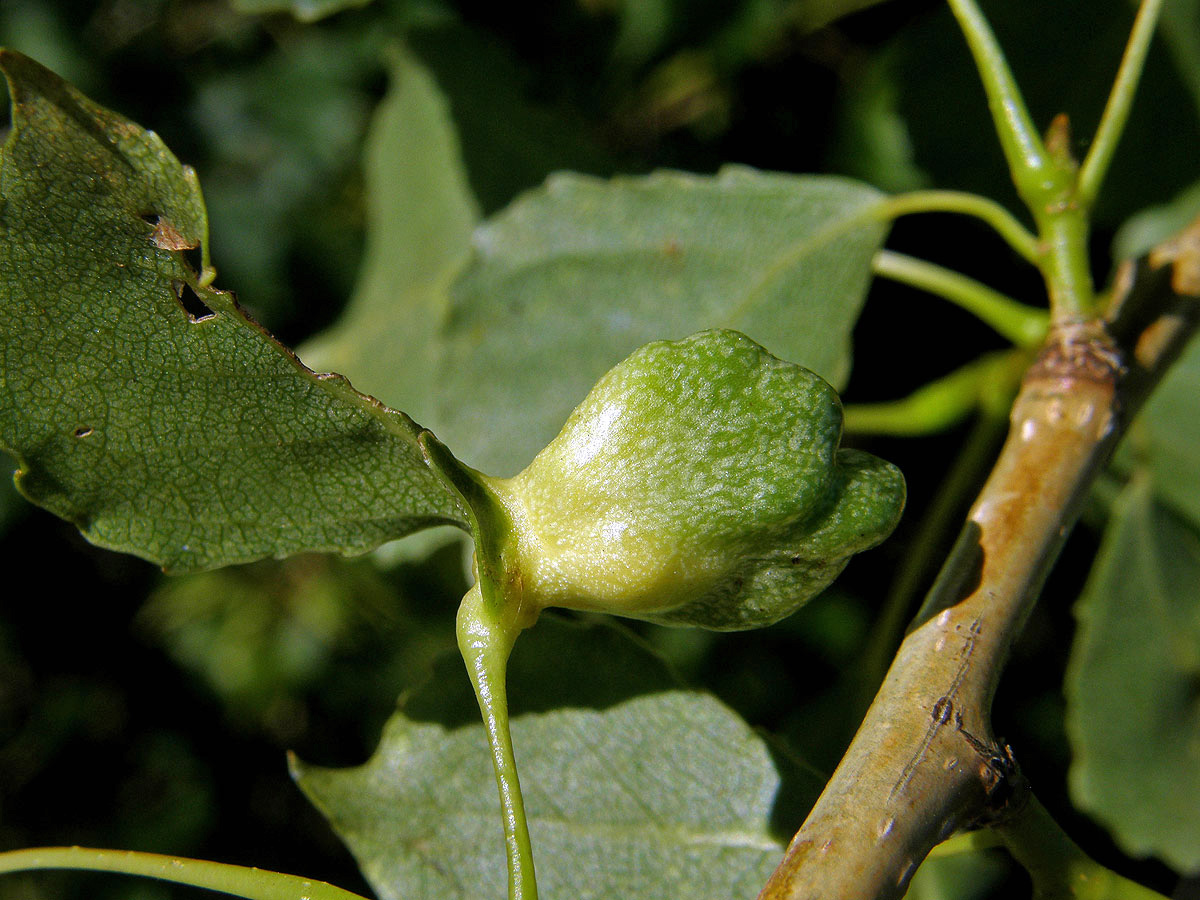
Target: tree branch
x,y
924,762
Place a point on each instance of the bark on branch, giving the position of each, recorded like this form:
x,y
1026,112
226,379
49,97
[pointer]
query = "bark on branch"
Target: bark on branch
x,y
924,762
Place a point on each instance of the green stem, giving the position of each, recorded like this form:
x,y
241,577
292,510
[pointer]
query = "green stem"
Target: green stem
x,y
1004,223
1044,173
1116,111
940,404
240,881
1023,148
1060,870
1066,266
1023,325
485,641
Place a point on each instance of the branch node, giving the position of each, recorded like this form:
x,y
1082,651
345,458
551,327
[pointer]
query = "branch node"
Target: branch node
x,y
1077,352
1006,790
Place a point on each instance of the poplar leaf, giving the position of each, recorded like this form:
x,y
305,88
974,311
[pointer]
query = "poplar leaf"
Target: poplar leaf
x,y
575,276
1131,686
664,793
143,404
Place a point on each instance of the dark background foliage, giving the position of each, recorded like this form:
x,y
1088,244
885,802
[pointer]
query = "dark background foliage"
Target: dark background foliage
x,y
142,713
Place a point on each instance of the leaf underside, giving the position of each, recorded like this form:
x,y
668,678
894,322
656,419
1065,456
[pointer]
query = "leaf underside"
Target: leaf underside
x,y
518,317
1166,437
664,793
1134,679
147,407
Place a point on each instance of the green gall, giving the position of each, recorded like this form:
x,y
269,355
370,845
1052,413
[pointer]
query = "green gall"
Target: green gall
x,y
699,483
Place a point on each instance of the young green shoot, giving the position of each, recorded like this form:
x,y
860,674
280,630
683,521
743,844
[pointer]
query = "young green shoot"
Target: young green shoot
x,y
1116,111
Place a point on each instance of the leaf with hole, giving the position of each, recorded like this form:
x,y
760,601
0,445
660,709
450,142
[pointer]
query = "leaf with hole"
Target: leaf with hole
x,y
143,404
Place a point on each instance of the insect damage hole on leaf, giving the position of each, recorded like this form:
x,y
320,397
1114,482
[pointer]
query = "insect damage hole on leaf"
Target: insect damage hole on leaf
x,y
195,308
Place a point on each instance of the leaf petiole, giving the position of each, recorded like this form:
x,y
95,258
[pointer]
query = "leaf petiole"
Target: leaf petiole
x,y
1116,111
988,382
1004,223
1058,867
485,640
1028,158
1021,324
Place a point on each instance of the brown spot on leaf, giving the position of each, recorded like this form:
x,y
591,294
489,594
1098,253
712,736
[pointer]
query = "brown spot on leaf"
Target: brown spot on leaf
x,y
166,236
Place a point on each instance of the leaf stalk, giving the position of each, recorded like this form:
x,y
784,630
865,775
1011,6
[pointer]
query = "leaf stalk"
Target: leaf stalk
x,y
1120,100
1005,224
485,639
1028,159
1021,324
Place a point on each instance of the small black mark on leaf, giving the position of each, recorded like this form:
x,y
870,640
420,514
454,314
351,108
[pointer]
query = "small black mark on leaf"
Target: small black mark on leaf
x,y
796,560
193,257
82,431
189,300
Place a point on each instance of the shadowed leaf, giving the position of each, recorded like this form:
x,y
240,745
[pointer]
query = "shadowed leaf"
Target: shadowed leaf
x,y
304,10
630,794
1134,681
144,405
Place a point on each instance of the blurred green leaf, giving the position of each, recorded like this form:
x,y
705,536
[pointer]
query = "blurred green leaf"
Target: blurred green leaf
x,y
41,29
575,276
633,795
515,126
961,876
1134,679
643,26
282,133
1166,437
814,14
872,139
143,405
304,10
1180,30
1152,226
261,634
421,214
